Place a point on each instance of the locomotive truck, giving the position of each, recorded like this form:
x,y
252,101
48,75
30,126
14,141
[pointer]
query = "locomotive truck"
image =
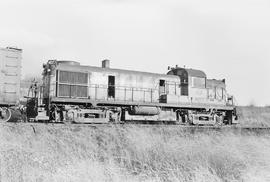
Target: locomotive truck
x,y
71,92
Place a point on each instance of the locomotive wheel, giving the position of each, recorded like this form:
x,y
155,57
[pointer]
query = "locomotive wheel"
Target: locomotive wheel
x,y
55,116
190,120
219,120
5,114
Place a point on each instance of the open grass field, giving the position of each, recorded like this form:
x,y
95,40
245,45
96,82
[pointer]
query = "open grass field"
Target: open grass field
x,y
254,116
40,152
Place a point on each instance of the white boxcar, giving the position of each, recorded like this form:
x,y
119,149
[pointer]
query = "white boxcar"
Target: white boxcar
x,y
10,75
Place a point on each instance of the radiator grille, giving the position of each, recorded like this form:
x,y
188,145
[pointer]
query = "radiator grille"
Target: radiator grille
x,y
72,77
72,84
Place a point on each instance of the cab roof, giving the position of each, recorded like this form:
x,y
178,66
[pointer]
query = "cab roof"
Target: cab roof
x,y
190,72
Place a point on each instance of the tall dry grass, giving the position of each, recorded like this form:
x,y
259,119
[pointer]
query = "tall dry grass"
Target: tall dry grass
x,y
130,153
254,116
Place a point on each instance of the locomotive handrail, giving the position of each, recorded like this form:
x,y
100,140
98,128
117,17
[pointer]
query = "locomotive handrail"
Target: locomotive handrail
x,y
117,88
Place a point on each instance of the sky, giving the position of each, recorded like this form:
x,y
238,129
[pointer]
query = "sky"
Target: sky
x,y
226,39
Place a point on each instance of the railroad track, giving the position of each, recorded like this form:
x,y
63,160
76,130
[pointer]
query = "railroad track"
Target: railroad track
x,y
183,128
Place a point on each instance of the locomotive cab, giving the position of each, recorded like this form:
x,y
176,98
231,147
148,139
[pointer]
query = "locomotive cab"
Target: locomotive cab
x,y
207,98
192,82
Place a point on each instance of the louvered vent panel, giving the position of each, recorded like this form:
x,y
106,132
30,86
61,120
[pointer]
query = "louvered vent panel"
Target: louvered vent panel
x,y
72,84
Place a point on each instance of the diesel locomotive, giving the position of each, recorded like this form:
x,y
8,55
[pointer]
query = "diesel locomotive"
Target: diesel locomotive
x,y
76,93
84,94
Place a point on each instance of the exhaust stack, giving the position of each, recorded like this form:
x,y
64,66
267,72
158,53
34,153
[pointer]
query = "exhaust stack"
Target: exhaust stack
x,y
106,63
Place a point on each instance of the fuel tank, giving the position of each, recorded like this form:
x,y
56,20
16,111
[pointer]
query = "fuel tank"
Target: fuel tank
x,y
144,110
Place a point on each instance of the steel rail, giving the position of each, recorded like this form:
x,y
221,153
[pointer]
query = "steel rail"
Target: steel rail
x,y
184,128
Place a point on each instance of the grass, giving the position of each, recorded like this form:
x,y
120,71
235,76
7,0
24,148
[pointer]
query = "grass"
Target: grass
x,y
254,116
39,152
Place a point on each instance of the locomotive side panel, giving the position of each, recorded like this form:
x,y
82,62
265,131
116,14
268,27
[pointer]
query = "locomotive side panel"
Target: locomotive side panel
x,y
216,92
110,85
10,75
97,91
114,85
197,91
132,87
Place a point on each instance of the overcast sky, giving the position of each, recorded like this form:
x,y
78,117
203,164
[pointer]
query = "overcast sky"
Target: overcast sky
x,y
226,39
